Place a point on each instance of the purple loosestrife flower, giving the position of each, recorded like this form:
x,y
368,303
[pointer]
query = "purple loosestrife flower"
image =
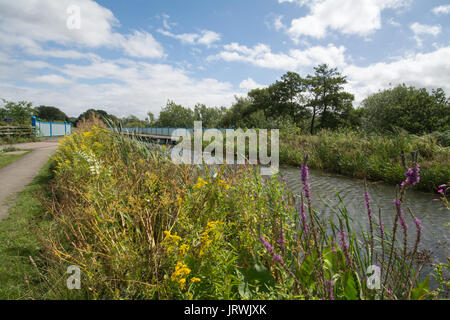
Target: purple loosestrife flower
x,y
305,181
418,224
412,176
282,240
303,218
330,284
269,249
367,202
344,246
333,246
401,214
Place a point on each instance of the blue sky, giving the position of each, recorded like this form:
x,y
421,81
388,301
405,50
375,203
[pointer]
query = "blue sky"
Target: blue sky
x,y
130,57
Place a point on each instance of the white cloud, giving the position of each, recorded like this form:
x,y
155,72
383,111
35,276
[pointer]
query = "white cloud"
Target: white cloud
x,y
423,29
444,9
423,70
205,37
121,87
27,24
52,79
141,45
261,55
250,84
208,37
358,17
278,23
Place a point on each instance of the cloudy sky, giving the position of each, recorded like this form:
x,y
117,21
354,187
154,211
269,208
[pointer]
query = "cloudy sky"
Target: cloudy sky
x,y
130,57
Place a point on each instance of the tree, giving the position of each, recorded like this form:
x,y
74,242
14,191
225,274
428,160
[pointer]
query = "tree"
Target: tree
x,y
287,96
415,110
175,115
50,113
327,97
150,119
237,115
209,116
21,112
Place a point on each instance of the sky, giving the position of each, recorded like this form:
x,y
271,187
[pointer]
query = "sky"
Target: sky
x,y
131,57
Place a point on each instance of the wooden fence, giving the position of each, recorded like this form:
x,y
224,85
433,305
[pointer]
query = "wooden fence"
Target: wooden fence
x,y
16,131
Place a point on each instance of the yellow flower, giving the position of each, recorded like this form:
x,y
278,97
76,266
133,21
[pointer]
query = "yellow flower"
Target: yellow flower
x,y
182,282
200,183
194,280
184,248
223,183
181,270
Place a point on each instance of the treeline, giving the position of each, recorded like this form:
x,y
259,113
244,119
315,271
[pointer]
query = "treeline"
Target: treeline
x,y
317,101
307,104
22,111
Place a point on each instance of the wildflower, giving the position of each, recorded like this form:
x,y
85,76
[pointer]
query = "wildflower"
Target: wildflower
x,y
194,280
223,183
412,176
282,239
333,246
182,282
345,247
184,248
441,191
401,214
269,249
330,284
303,218
367,203
305,181
211,229
418,224
200,183
181,271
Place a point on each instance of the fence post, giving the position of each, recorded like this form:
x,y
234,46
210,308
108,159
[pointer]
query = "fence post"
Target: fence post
x,y
33,123
65,130
168,130
51,128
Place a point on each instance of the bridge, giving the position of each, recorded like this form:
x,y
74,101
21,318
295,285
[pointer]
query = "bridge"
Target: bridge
x,y
161,135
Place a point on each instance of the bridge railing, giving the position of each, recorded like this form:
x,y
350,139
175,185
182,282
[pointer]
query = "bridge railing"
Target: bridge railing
x,y
162,131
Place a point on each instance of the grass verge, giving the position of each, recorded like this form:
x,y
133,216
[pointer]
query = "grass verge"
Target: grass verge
x,y
19,279
6,159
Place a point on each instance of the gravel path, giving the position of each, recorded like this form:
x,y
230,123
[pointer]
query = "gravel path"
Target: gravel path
x,y
17,175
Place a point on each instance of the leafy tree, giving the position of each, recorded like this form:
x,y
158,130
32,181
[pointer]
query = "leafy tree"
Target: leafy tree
x,y
327,97
150,119
210,116
21,112
50,113
175,115
287,97
238,113
415,110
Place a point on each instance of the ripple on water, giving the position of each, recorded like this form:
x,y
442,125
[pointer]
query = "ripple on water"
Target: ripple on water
x,y
434,215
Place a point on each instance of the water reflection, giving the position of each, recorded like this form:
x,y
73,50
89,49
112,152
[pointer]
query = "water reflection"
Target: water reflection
x,y
434,215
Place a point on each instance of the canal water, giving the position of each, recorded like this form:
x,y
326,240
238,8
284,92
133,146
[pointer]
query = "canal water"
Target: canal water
x,y
434,215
